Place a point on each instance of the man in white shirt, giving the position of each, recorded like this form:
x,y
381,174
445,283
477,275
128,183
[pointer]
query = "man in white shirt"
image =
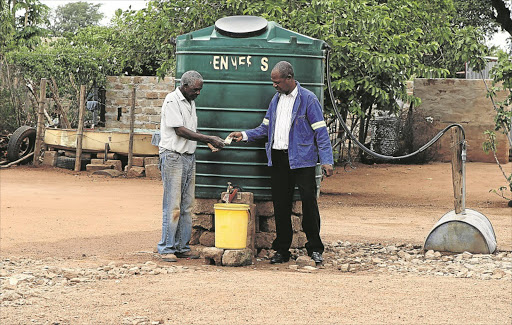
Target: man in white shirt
x,y
297,139
178,141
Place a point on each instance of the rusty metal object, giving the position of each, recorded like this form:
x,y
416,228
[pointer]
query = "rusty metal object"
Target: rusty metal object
x,y
456,232
461,230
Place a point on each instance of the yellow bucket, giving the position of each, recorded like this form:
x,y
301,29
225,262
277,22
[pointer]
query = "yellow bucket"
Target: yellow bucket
x,y
231,225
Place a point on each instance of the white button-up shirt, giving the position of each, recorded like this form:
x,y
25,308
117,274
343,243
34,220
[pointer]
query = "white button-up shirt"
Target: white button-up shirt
x,y
176,112
284,120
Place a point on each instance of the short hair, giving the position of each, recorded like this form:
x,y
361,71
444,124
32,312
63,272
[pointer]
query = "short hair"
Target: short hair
x,y
284,68
190,77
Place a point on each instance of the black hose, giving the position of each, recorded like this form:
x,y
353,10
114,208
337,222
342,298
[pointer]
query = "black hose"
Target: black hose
x,y
362,146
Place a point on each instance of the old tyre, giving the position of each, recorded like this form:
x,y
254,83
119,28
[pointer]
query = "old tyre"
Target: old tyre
x,y
21,143
69,163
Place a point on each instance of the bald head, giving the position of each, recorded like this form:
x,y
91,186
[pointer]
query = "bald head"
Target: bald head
x,y
284,69
282,77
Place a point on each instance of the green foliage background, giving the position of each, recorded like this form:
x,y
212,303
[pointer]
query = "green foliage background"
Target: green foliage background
x,y
376,45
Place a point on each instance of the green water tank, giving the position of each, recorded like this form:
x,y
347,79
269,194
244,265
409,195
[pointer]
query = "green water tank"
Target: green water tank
x,y
235,58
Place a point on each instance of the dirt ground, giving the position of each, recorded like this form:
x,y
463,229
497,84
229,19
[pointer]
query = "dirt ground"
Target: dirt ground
x,y
51,215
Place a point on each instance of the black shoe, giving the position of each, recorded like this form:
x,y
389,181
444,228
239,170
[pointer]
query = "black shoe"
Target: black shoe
x,y
187,254
279,258
317,257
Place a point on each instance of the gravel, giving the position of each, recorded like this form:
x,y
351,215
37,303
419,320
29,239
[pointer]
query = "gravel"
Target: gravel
x,y
26,281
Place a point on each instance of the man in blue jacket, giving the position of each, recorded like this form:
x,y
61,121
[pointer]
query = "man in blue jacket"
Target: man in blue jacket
x,y
297,140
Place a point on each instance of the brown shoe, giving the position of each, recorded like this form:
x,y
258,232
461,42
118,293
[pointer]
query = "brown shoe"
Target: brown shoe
x,y
188,254
169,258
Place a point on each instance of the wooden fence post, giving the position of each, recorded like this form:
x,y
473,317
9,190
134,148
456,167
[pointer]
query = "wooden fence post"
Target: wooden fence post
x,y
457,168
40,122
80,131
132,123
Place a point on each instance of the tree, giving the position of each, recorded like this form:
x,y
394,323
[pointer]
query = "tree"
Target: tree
x,y
475,13
503,15
21,23
151,31
502,82
20,28
72,16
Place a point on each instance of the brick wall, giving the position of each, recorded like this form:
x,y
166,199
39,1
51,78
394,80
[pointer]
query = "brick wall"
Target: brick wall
x,y
150,94
447,101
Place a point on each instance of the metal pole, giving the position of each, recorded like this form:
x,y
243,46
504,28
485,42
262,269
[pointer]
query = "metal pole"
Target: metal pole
x,y
80,131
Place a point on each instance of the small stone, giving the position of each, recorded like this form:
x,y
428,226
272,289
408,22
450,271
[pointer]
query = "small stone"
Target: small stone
x,y
498,274
237,257
404,255
9,295
293,266
150,264
212,254
17,278
263,253
466,255
474,260
305,261
344,267
135,171
377,260
391,249
430,255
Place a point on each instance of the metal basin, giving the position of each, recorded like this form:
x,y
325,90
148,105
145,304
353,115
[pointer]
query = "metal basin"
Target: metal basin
x,y
470,232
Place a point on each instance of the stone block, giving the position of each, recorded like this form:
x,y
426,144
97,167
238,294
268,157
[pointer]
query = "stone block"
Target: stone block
x,y
95,167
251,229
196,234
138,161
237,257
96,161
305,261
152,95
50,158
204,206
204,221
153,118
299,240
72,154
265,208
135,171
116,164
152,171
151,160
110,155
212,254
264,239
296,223
207,239
267,224
297,208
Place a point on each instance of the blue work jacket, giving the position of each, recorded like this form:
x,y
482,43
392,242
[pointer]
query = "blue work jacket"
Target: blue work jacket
x,y
308,141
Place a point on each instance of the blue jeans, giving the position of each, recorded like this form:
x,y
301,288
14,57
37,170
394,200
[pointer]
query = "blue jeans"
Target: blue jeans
x,y
178,178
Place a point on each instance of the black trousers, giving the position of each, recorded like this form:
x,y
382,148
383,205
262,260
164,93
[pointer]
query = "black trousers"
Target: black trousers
x,y
283,181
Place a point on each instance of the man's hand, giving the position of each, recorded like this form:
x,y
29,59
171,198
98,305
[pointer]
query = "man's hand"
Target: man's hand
x,y
327,170
216,142
237,136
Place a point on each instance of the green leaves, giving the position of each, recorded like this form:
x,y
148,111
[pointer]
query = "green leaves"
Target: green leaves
x,y
69,18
